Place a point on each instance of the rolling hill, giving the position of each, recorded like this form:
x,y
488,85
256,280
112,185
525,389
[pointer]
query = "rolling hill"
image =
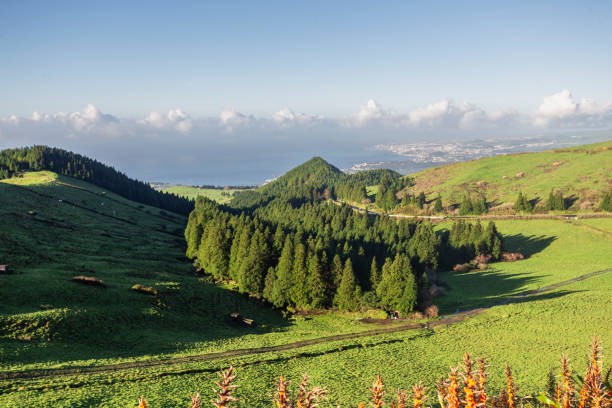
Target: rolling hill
x,y
583,174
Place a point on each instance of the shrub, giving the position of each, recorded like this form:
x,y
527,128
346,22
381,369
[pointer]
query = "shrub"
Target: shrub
x,y
144,289
606,202
88,280
512,256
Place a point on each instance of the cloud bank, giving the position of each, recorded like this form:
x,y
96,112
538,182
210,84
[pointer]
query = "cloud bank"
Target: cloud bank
x,y
176,140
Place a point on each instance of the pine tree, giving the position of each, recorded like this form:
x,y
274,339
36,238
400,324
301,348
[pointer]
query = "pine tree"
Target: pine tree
x,y
283,282
316,282
253,270
217,251
336,271
374,274
606,202
299,288
346,297
438,205
269,284
466,206
194,235
522,204
239,251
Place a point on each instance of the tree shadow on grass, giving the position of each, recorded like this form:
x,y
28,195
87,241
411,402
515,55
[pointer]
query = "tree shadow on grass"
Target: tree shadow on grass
x,y
527,245
480,288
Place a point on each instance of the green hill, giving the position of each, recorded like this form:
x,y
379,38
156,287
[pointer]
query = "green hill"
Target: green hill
x,y
36,158
55,228
313,180
582,174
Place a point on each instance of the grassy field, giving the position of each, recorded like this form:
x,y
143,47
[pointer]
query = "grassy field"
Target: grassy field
x,y
48,321
220,196
582,173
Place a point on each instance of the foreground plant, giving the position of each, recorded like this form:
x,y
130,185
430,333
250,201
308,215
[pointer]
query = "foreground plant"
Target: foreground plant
x,y
465,390
226,388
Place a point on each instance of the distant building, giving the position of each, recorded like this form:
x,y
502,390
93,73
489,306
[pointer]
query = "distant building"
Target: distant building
x,y
4,268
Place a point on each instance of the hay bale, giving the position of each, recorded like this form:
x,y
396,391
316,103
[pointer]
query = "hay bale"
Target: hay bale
x,y
147,290
512,256
88,280
520,174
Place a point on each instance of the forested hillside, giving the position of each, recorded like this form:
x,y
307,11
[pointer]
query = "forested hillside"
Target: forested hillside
x,y
296,249
316,179
36,158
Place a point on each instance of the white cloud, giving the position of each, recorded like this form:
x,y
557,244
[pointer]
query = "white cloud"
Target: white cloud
x,y
174,119
560,109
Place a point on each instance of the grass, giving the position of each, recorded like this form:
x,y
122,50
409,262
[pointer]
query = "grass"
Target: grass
x,y
582,173
192,192
123,244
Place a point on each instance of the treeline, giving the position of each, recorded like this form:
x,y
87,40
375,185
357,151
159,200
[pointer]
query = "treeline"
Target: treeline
x,y
473,205
37,158
311,255
466,241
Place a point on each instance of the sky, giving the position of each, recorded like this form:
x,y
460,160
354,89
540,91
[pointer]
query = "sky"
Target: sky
x,y
244,80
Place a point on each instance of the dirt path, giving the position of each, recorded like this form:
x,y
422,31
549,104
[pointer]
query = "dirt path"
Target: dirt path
x,y
445,321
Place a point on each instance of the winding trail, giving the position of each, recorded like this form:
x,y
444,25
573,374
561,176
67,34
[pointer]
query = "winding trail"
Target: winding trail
x,y
445,321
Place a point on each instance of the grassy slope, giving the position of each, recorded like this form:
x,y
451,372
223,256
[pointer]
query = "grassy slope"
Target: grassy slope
x,y
529,335
585,172
91,325
193,192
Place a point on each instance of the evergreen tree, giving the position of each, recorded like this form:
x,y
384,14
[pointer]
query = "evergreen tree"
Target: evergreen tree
x,y
479,206
374,274
300,296
239,253
555,201
347,295
522,204
282,285
216,251
316,283
438,205
606,202
194,236
336,271
466,206
269,284
253,269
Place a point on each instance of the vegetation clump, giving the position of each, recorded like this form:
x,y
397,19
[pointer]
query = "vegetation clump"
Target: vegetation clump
x,y
147,290
475,206
88,280
555,201
606,202
522,204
